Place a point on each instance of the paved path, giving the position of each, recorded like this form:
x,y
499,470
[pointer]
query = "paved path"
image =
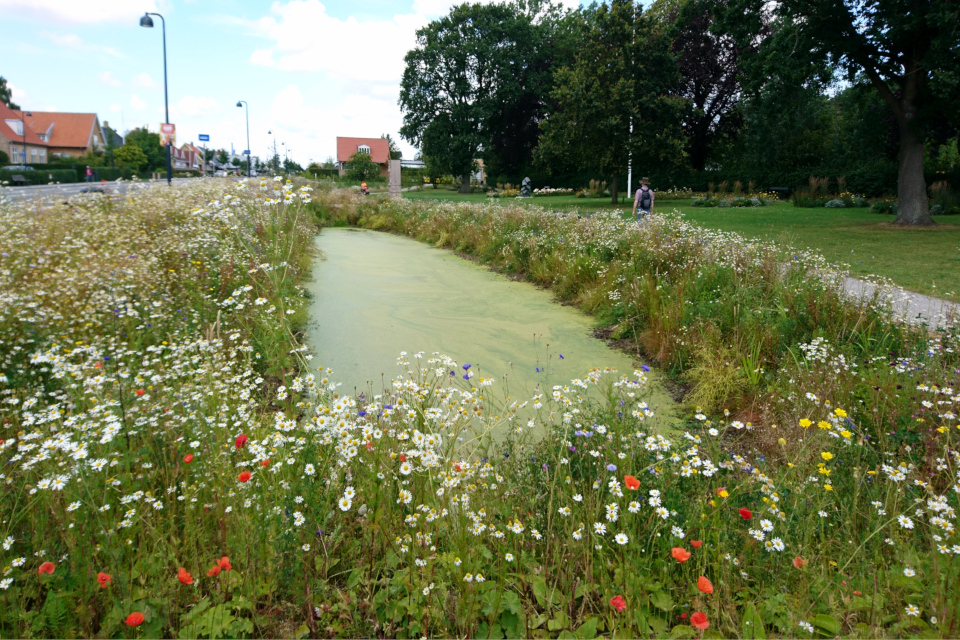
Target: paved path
x,y
911,307
72,189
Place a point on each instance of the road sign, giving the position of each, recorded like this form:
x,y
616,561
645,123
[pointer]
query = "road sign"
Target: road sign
x,y
204,137
246,152
168,134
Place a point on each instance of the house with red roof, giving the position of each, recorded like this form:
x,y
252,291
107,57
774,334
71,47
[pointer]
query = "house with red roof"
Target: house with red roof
x,y
67,134
17,135
378,148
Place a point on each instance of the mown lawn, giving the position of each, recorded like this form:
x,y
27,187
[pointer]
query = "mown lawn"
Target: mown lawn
x,y
922,260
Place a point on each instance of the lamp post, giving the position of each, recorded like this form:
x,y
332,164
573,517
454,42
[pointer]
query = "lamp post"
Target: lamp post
x,y
247,109
276,158
147,21
23,132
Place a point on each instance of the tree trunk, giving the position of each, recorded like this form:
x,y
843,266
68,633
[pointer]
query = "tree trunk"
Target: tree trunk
x,y
913,208
465,183
613,190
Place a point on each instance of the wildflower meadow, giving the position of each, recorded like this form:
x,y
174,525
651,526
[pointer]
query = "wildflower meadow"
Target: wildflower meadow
x,y
176,463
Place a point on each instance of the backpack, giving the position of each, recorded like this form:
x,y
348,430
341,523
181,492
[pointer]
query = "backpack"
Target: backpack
x,y
645,198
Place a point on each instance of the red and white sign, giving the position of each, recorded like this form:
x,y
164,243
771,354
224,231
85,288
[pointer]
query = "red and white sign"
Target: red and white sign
x,y
168,134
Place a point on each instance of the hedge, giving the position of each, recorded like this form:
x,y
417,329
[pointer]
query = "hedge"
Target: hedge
x,y
40,176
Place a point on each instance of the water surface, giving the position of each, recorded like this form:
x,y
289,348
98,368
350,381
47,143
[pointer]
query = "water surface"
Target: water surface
x,y
377,294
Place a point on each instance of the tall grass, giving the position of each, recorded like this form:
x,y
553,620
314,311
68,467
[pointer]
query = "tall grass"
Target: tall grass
x,y
174,464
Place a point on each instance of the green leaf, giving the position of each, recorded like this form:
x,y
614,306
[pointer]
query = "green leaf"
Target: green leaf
x,y
826,623
559,621
583,588
512,624
588,629
683,631
539,586
662,600
752,623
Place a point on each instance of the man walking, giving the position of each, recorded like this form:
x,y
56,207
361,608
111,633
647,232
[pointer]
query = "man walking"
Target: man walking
x,y
643,200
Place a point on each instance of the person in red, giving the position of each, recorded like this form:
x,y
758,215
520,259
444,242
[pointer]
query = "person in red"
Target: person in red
x,y
89,174
643,200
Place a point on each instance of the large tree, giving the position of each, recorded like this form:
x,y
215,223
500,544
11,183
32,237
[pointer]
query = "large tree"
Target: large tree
x,y
455,78
617,99
6,95
149,143
908,49
709,77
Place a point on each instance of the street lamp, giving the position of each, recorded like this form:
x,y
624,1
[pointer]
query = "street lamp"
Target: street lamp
x,y
147,21
276,158
247,109
23,132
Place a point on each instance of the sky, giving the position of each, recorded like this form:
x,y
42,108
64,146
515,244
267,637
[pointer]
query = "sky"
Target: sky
x,y
309,70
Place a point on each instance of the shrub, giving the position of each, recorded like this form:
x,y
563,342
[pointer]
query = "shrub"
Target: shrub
x,y
40,176
834,204
884,205
723,203
360,167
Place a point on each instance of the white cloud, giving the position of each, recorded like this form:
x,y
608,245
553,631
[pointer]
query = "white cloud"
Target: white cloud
x,y
262,57
137,103
306,38
191,106
69,12
18,95
108,78
75,42
312,131
144,80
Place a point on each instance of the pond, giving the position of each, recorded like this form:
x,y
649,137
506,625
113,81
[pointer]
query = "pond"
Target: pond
x,y
375,295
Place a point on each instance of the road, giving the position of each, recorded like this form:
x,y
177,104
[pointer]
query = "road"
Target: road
x,y
13,194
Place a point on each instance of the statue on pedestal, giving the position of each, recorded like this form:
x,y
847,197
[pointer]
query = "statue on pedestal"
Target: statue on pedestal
x,y
525,190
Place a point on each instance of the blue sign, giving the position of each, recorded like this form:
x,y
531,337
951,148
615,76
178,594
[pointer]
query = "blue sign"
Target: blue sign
x,y
204,137
246,152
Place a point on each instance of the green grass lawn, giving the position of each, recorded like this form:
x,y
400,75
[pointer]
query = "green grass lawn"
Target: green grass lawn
x,y
922,260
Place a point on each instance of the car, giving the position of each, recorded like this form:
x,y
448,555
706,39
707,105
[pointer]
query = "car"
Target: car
x,y
17,167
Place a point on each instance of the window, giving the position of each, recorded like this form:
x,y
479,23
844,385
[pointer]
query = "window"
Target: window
x,y
33,156
16,125
363,149
43,156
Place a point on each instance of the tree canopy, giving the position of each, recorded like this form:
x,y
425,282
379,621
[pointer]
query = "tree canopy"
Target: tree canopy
x,y
6,95
906,49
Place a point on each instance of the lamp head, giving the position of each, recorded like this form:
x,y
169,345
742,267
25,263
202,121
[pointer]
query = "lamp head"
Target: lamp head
x,y
146,21
239,103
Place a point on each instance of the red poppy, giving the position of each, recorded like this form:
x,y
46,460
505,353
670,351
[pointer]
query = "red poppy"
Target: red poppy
x,y
213,571
699,620
265,463
46,567
618,603
188,458
224,563
745,513
680,554
631,482
457,467
858,593
704,585
696,544
403,458
683,616
184,576
244,476
799,562
139,392
135,619
240,441
104,579
97,365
